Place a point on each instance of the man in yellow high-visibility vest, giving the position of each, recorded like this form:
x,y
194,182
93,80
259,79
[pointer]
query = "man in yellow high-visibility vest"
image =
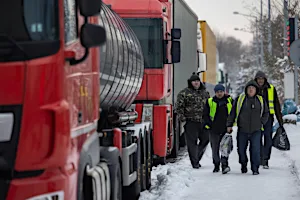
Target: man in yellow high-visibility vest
x,y
268,92
215,115
249,112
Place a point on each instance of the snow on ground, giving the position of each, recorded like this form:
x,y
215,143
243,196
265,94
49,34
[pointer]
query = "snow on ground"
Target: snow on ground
x,y
293,155
179,181
290,117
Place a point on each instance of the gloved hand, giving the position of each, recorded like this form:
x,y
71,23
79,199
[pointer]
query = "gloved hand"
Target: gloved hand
x,y
229,130
207,125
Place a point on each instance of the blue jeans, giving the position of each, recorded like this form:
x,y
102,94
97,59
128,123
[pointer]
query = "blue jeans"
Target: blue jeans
x,y
242,144
266,147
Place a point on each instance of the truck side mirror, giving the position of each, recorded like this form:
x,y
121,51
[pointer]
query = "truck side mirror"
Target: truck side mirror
x,y
92,35
176,33
175,51
89,8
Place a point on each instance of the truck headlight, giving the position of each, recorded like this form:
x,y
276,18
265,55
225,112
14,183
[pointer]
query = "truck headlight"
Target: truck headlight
x,y
6,126
49,196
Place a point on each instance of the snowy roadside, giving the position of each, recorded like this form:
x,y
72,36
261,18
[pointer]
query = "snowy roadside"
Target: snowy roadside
x,y
293,132
178,181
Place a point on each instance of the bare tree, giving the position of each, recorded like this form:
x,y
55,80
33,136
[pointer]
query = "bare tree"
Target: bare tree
x,y
231,51
276,63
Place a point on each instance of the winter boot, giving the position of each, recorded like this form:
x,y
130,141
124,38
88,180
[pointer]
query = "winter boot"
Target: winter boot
x,y
255,172
225,169
266,164
197,166
244,168
216,169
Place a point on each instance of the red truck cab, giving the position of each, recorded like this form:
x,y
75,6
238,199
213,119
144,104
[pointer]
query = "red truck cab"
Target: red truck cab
x,y
45,59
152,23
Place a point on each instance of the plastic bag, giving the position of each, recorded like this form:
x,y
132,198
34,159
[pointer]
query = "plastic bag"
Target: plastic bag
x,y
289,107
281,140
226,145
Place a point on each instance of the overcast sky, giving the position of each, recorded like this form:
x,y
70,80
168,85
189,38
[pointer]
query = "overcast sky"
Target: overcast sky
x,y
219,15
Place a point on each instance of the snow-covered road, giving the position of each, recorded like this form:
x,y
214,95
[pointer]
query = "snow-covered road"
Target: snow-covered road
x,y
179,181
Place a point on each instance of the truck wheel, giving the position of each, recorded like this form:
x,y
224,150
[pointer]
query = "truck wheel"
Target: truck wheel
x,y
143,160
175,149
116,182
160,161
148,159
132,192
182,141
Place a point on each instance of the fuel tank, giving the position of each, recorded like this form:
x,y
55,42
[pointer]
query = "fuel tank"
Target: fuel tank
x,y
121,63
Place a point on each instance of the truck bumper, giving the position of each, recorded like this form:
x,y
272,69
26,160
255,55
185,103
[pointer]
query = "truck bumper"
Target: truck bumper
x,y
52,183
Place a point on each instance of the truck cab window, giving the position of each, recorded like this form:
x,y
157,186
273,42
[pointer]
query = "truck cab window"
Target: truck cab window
x,y
70,13
29,20
150,35
41,19
31,26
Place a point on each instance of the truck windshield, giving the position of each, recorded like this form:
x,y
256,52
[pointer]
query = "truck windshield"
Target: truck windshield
x,y
150,35
32,25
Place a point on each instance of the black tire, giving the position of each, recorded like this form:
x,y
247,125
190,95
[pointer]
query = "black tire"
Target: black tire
x,y
143,160
160,161
116,182
132,192
148,160
182,141
176,147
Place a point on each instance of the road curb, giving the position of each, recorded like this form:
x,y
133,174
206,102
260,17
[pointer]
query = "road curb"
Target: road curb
x,y
292,166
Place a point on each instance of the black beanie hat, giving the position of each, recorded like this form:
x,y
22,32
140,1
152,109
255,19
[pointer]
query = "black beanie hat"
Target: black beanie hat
x,y
194,77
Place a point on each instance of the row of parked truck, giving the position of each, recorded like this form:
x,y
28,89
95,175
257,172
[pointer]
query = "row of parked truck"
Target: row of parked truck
x,y
82,122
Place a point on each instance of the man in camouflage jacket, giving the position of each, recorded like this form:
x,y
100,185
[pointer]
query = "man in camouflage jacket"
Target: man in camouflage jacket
x,y
189,107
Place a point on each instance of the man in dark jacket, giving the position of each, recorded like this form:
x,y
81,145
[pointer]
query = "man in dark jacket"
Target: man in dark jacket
x,y
250,112
268,92
216,111
189,107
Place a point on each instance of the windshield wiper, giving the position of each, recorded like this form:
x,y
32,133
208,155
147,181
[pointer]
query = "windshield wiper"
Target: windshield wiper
x,y
7,48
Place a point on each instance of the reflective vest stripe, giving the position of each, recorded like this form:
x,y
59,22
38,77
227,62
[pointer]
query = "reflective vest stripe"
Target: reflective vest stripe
x,y
213,108
271,99
240,104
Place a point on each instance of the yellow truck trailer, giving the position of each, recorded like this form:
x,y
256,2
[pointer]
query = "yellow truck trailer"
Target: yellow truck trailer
x,y
209,47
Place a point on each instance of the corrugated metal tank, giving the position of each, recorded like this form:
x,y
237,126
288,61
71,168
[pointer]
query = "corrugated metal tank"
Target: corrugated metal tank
x,y
121,63
186,20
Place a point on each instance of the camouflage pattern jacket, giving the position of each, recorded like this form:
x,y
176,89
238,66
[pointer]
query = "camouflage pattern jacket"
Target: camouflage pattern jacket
x,y
190,104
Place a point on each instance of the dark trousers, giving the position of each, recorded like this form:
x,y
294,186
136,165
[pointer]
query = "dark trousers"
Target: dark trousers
x,y
266,146
242,140
215,140
193,132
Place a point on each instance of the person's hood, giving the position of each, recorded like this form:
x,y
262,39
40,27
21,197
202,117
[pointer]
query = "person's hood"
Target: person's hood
x,y
261,74
252,83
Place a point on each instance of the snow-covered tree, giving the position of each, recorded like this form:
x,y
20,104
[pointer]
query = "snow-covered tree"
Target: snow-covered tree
x,y
276,63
